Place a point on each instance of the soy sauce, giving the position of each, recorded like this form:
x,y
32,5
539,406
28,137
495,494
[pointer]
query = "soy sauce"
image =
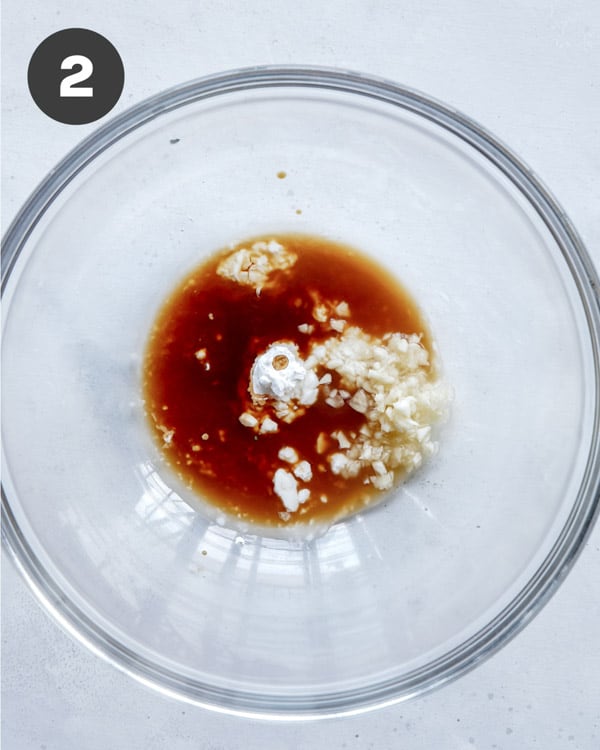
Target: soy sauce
x,y
200,351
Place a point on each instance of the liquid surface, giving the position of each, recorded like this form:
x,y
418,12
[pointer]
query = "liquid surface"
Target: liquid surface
x,y
197,370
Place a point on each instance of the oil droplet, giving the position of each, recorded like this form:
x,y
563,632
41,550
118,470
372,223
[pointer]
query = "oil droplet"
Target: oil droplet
x,y
282,175
298,210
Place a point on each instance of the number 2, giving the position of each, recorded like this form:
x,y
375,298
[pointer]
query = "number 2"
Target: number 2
x,y
87,68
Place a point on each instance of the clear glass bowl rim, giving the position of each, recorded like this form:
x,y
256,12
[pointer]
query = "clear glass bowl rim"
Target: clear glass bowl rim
x,y
577,527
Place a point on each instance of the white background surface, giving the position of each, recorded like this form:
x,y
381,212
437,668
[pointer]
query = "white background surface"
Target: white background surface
x,y
529,72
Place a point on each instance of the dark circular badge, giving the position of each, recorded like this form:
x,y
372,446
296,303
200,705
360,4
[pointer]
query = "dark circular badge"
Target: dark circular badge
x,y
75,76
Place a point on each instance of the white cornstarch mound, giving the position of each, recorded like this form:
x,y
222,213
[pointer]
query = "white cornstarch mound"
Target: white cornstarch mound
x,y
280,374
252,265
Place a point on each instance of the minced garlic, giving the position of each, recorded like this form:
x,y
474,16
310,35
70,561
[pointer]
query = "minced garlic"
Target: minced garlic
x,y
391,383
253,265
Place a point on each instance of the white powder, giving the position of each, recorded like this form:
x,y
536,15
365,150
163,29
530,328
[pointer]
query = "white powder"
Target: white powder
x,y
279,373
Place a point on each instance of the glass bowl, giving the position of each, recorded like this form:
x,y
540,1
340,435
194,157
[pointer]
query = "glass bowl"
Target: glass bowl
x,y
391,602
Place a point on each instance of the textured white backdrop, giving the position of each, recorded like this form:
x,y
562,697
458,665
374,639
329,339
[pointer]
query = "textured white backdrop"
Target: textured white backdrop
x,y
529,72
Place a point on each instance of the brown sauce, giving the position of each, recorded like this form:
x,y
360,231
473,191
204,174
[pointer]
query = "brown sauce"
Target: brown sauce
x,y
196,374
